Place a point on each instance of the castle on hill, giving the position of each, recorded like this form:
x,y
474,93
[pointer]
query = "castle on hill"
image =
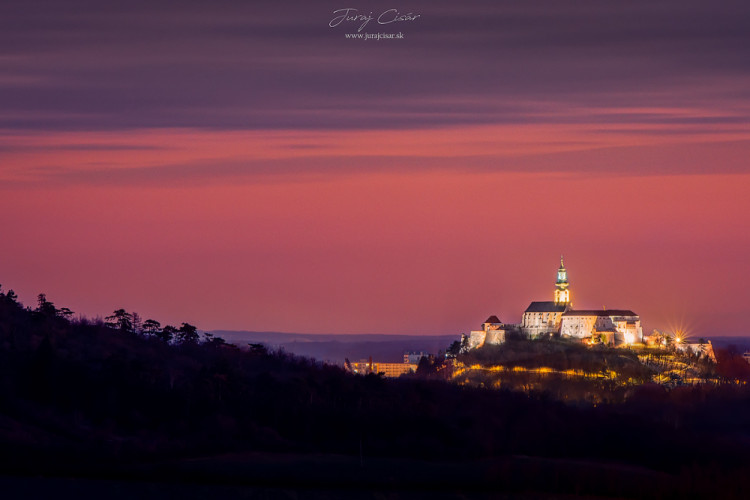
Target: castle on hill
x,y
557,317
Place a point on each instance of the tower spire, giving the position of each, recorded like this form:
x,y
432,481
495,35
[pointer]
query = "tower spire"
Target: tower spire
x,y
562,294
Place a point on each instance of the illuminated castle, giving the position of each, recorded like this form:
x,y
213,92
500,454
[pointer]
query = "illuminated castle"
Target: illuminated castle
x,y
557,317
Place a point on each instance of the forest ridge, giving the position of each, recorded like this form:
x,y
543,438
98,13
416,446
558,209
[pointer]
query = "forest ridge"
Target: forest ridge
x,y
78,396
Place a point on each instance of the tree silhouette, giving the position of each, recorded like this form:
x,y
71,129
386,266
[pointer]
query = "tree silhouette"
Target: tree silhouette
x,y
187,334
151,327
211,339
64,312
454,349
137,323
11,296
120,320
45,307
167,334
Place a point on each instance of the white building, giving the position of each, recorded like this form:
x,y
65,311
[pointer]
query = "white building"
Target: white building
x,y
619,326
492,332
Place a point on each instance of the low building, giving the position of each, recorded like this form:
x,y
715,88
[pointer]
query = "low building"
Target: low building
x,y
492,332
390,370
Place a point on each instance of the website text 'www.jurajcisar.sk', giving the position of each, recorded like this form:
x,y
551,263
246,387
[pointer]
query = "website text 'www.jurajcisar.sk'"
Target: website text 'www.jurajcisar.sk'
x,y
374,36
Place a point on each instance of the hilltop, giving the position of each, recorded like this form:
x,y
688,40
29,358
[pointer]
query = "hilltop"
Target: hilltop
x,y
570,370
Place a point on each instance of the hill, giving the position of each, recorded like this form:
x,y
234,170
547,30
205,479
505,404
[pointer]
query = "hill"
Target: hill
x,y
568,370
92,400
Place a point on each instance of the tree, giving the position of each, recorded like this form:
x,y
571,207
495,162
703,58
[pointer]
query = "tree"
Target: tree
x,y
167,333
64,312
137,323
458,347
426,366
151,327
187,334
454,349
259,349
45,307
120,320
218,341
211,339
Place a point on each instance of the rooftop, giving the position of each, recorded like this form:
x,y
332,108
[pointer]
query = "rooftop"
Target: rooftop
x,y
546,307
601,312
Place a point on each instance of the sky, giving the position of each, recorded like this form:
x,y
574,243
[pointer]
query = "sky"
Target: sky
x,y
246,165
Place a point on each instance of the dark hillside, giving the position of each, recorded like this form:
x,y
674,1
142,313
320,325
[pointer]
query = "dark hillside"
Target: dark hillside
x,y
81,398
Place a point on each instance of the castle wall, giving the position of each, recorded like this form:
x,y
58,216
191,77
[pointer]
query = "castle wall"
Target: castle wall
x,y
584,325
476,338
534,324
492,334
577,326
495,337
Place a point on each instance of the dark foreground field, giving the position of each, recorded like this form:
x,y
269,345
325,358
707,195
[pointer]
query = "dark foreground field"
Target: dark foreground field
x,y
292,476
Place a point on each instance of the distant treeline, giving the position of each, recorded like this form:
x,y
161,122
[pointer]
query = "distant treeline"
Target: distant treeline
x,y
76,395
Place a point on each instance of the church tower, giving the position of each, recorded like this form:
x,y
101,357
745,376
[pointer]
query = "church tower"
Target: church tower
x,y
562,294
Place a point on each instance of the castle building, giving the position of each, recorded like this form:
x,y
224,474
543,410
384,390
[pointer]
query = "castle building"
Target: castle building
x,y
546,317
557,317
492,332
617,326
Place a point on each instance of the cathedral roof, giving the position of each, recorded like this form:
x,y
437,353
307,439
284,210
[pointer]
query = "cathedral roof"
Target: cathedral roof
x,y
601,312
493,319
546,307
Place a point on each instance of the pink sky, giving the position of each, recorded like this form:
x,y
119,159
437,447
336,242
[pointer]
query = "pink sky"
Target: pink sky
x,y
391,249
238,167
